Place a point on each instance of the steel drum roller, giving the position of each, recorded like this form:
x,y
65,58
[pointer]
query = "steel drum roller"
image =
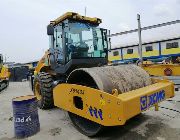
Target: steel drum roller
x,y
124,78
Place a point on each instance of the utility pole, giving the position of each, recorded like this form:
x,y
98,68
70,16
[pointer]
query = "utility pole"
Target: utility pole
x,y
140,39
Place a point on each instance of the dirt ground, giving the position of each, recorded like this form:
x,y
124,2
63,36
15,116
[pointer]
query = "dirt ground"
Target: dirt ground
x,y
55,124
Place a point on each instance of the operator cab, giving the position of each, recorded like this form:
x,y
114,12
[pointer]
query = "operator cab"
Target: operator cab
x,y
75,37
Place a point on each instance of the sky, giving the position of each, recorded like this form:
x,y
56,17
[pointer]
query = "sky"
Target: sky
x,y
23,23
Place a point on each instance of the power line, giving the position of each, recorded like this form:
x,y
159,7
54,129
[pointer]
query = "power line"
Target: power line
x,y
146,28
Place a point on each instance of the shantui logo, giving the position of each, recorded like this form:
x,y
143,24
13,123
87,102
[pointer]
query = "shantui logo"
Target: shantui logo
x,y
147,101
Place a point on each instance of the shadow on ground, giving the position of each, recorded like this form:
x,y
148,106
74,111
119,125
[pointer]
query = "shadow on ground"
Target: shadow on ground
x,y
141,127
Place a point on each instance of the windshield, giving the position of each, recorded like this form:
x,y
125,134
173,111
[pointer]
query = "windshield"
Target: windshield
x,y
83,40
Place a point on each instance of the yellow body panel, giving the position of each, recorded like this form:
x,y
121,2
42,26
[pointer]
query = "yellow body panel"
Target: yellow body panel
x,y
44,62
76,16
158,69
170,51
151,53
4,73
129,56
112,58
115,109
134,55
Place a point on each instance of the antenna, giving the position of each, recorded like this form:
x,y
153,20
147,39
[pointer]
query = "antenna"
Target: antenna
x,y
85,11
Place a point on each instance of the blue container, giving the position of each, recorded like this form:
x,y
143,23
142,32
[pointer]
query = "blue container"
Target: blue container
x,y
26,119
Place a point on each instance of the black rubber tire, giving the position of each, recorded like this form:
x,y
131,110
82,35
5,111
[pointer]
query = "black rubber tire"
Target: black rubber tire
x,y
85,126
4,82
46,90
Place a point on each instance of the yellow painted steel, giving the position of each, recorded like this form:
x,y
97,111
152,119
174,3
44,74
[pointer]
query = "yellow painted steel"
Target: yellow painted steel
x,y
151,53
134,55
147,62
44,62
116,109
4,73
37,91
76,16
129,56
112,58
170,51
158,69
147,54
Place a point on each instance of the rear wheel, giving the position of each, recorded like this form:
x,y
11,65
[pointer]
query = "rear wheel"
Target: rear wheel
x,y
3,84
43,85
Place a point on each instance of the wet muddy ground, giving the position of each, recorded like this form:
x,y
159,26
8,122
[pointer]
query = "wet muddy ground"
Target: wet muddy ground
x,y
55,124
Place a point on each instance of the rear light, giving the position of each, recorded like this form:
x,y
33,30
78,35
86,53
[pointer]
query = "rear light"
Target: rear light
x,y
168,72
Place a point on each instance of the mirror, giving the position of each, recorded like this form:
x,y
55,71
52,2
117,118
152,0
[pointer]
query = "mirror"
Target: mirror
x,y
50,29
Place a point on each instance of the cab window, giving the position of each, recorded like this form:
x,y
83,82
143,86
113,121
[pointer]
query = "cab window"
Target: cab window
x,y
58,37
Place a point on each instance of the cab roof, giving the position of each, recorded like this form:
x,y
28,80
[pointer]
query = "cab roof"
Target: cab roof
x,y
76,17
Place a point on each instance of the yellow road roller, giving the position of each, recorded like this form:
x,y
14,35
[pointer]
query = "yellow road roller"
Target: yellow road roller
x,y
74,75
4,75
169,71
162,69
